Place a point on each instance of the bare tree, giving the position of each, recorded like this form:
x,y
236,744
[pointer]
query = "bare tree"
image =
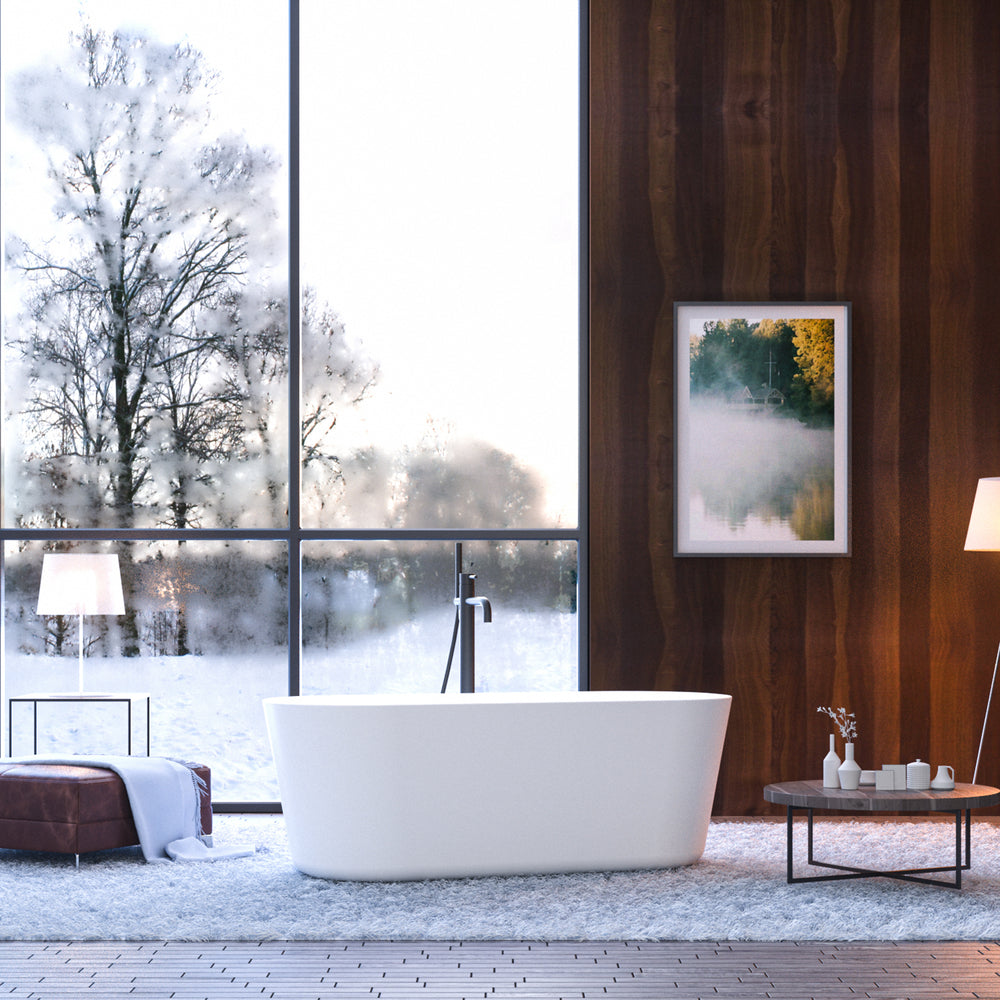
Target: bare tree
x,y
336,375
154,216
152,237
153,335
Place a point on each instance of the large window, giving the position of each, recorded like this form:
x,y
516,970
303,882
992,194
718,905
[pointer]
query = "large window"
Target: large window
x,y
291,306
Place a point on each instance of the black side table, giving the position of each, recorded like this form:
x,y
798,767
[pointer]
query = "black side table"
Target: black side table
x,y
812,795
81,696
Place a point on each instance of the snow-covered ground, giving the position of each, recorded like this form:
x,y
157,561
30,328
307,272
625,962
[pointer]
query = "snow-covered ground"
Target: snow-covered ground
x,y
208,708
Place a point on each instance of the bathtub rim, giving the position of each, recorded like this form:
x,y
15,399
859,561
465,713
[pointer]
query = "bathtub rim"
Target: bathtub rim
x,y
492,698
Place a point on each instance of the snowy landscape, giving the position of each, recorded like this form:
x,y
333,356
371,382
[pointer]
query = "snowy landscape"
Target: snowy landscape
x,y
209,708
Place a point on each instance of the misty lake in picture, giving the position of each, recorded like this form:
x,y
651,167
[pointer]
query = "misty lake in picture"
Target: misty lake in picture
x,y
758,476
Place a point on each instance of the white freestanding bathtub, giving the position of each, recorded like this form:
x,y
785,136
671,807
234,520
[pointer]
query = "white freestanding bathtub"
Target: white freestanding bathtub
x,y
391,787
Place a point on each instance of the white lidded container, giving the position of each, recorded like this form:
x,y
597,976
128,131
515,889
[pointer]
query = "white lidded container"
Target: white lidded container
x,y
918,775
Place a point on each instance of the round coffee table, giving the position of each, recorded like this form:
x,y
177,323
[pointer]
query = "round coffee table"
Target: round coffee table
x,y
811,795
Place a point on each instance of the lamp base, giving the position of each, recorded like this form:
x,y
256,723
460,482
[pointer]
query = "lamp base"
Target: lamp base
x,y
982,737
81,654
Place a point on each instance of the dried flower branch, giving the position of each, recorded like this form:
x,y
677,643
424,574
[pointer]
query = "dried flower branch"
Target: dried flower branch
x,y
844,720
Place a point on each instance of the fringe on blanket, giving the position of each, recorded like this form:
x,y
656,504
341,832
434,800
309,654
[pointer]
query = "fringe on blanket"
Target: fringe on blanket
x,y
201,789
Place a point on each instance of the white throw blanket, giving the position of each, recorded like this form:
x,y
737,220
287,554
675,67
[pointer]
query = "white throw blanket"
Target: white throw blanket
x,y
164,796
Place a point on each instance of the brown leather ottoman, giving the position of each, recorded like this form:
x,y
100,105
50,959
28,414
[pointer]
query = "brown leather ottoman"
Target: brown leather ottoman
x,y
71,810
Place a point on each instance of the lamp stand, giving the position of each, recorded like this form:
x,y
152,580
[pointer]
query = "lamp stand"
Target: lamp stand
x,y
81,653
996,662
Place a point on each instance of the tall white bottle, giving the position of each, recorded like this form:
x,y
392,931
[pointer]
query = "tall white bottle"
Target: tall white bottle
x,y
830,764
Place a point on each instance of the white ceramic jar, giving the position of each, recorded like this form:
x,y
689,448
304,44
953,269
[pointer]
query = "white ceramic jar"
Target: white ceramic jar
x,y
918,776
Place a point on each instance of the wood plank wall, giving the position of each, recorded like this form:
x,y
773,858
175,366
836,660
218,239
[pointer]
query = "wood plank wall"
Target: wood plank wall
x,y
814,150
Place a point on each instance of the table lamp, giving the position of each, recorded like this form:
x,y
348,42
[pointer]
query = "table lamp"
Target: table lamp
x,y
984,536
80,583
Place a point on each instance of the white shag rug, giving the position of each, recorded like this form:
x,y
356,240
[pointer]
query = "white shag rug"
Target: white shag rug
x,y
736,892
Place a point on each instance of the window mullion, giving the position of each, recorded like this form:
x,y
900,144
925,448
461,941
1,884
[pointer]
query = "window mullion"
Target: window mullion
x,y
294,364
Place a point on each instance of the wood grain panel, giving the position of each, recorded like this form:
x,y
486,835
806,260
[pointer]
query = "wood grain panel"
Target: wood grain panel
x,y
748,676
875,439
982,451
744,142
838,150
951,120
626,291
915,373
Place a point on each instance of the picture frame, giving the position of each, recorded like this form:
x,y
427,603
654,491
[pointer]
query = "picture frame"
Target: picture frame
x,y
761,428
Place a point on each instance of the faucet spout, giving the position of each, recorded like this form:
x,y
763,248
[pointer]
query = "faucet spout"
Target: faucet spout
x,y
484,603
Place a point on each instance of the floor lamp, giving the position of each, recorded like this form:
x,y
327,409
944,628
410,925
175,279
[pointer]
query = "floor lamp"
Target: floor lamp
x,y
984,536
80,583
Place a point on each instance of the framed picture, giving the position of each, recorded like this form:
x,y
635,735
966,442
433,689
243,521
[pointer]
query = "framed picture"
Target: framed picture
x,y
761,424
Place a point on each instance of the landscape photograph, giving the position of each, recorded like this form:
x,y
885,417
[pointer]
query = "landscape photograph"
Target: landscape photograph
x,y
761,429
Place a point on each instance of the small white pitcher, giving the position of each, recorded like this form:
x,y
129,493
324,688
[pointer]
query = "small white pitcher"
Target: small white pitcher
x,y
944,780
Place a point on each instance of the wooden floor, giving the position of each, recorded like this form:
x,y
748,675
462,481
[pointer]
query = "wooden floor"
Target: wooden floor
x,y
496,970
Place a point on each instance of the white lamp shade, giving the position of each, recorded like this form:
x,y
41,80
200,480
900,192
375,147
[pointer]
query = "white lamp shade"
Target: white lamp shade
x,y
80,583
984,524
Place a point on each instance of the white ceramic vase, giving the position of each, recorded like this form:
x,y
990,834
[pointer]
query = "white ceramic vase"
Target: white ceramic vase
x,y
830,764
849,772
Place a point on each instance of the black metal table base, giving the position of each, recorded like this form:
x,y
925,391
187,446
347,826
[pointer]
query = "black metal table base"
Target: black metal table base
x,y
905,874
99,699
